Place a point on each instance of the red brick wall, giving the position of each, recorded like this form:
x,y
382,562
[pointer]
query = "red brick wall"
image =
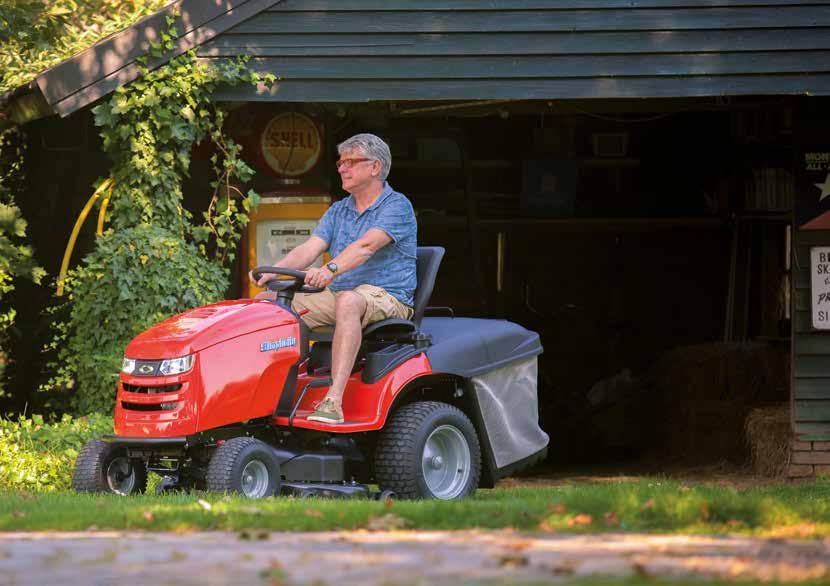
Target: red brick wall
x,y
809,459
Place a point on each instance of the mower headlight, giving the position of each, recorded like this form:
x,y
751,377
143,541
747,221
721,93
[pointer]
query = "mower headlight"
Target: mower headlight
x,y
176,365
128,366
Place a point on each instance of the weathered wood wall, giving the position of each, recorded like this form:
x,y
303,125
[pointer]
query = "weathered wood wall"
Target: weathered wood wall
x,y
361,50
811,366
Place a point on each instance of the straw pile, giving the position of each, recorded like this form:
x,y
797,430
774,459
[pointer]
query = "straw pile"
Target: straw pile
x,y
767,432
708,390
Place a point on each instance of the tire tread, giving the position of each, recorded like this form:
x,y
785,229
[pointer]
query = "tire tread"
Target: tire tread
x,y
396,445
219,476
88,473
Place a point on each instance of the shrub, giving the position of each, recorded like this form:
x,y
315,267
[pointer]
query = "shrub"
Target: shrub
x,y
153,261
39,456
134,278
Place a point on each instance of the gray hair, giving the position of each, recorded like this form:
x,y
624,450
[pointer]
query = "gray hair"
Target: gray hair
x,y
373,147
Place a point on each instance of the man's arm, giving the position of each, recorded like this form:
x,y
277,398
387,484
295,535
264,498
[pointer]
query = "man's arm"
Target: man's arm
x,y
354,255
298,258
361,250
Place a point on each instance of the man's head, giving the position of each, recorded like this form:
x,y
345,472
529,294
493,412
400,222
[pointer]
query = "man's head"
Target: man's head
x,y
364,160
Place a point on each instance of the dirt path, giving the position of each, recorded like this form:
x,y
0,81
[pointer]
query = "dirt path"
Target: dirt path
x,y
399,557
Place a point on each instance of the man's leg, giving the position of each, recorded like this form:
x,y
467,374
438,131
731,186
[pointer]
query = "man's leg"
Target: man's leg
x,y
354,310
349,309
316,309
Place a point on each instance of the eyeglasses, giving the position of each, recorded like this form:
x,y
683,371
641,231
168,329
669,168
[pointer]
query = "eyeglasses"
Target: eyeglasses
x,y
349,163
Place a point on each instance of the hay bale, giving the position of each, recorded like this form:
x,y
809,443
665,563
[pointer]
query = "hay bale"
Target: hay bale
x,y
767,432
708,390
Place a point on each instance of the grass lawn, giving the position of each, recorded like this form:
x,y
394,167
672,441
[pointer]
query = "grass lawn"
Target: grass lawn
x,y
651,505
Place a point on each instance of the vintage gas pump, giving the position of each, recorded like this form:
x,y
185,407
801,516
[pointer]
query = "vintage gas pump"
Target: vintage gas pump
x,y
294,191
280,223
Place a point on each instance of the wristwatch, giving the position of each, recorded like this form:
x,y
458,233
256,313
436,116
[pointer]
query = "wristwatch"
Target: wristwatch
x,y
332,266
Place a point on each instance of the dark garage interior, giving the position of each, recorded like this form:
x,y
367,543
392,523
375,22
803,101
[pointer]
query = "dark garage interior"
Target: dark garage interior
x,y
646,241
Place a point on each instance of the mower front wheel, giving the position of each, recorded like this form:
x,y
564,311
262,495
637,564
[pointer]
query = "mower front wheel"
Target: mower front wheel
x,y
246,466
105,467
428,449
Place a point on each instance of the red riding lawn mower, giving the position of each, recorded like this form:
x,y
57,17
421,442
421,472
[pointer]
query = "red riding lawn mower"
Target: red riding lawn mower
x,y
216,399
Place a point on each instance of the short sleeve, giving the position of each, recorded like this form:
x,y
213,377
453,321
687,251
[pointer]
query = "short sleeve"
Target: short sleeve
x,y
325,227
397,218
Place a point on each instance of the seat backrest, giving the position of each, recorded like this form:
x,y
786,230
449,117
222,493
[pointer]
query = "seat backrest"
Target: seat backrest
x,y
427,263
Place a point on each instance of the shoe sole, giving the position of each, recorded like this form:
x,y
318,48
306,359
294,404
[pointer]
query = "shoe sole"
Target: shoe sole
x,y
323,419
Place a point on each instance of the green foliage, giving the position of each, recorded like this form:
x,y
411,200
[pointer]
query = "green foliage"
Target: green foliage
x,y
39,456
37,34
140,273
134,278
149,128
16,257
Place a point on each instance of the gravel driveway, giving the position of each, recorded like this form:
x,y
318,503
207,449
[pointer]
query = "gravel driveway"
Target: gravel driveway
x,y
392,557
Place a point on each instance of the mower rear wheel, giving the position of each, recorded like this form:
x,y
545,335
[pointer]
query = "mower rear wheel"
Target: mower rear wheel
x,y
428,450
105,467
246,466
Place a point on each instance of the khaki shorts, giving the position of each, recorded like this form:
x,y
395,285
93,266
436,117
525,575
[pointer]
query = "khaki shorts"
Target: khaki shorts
x,y
379,305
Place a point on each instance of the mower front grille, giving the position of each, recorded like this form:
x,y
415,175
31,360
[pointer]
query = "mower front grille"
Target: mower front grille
x,y
151,390
146,407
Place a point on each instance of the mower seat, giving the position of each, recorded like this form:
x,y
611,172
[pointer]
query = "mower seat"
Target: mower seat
x,y
428,259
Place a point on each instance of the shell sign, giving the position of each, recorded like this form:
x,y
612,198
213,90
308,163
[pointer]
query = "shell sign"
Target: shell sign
x,y
291,144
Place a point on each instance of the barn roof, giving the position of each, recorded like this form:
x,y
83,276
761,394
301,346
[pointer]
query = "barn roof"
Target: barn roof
x,y
362,50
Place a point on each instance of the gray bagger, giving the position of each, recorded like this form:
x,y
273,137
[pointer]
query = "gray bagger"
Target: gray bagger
x,y
498,359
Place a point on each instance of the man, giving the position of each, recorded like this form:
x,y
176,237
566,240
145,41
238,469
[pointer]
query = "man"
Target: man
x,y
371,237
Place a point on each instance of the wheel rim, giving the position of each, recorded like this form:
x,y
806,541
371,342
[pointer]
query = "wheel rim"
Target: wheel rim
x,y
121,476
446,462
255,479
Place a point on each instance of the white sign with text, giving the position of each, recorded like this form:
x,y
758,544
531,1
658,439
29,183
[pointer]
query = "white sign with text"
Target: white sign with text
x,y
820,286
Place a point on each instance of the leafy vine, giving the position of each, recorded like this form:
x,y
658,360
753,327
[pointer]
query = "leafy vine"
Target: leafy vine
x,y
153,261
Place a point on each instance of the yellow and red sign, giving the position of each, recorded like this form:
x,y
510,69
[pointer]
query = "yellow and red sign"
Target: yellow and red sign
x,y
291,144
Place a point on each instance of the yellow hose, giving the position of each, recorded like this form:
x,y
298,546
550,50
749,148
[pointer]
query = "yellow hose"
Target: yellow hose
x,y
106,185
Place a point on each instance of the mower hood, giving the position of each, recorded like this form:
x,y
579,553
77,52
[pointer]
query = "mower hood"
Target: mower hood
x,y
200,328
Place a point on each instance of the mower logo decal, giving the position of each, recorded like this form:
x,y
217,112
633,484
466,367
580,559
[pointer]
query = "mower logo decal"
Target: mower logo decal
x,y
278,344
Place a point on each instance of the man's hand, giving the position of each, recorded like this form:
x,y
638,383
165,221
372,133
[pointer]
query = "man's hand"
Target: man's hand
x,y
262,280
320,278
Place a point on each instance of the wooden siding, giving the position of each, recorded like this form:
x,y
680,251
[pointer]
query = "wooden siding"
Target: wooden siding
x,y
811,372
360,50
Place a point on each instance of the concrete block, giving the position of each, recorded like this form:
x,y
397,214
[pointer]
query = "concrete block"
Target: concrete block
x,y
798,446
821,446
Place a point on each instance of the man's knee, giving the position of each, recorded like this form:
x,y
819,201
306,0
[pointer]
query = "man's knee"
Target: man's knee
x,y
349,304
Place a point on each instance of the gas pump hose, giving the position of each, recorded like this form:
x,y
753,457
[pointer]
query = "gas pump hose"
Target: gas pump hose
x,y
106,186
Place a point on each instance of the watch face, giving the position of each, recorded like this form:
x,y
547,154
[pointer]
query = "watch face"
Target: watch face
x,y
332,267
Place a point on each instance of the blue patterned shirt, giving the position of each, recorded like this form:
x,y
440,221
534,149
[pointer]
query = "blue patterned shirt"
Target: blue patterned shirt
x,y
393,266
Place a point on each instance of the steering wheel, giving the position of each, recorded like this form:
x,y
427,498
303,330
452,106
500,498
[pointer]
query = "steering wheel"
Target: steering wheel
x,y
296,284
